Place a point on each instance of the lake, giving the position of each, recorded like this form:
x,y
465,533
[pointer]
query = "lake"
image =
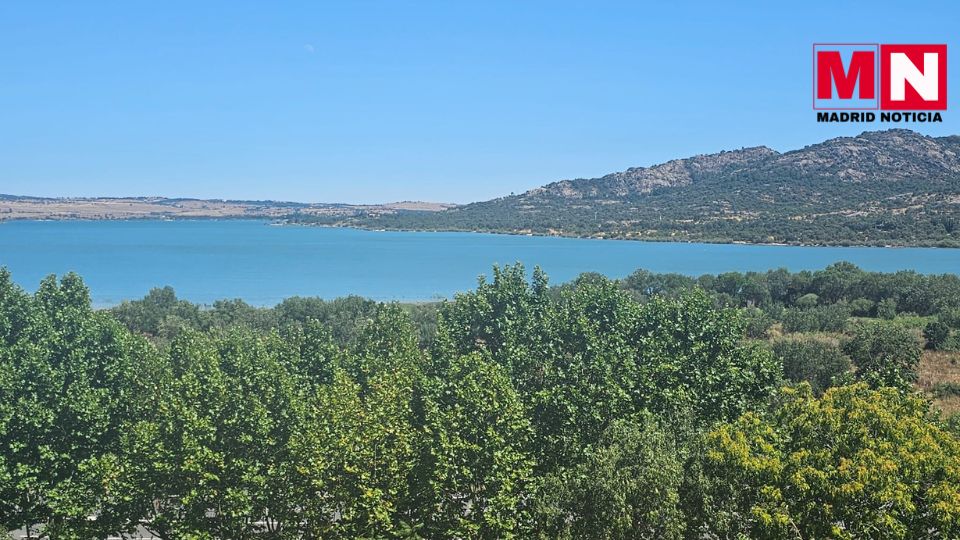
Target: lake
x,y
263,264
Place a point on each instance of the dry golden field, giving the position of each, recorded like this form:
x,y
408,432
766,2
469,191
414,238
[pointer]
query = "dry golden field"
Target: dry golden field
x,y
939,367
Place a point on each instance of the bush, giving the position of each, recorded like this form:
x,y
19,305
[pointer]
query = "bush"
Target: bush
x,y
808,300
951,317
952,424
818,362
831,318
886,354
946,390
799,320
887,309
862,307
937,335
758,322
834,318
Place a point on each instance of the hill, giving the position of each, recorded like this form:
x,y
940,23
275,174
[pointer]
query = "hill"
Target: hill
x,y
20,207
893,187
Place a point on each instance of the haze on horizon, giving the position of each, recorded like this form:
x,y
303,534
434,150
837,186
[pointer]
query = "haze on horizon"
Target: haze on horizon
x,y
371,102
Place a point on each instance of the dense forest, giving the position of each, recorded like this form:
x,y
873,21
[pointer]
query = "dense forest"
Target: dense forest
x,y
893,187
761,405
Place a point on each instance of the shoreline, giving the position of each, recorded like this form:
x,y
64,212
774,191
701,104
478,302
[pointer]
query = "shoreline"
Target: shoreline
x,y
662,240
283,222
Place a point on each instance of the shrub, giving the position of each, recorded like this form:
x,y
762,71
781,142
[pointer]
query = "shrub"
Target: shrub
x,y
799,320
862,307
758,322
887,309
808,300
951,317
816,361
831,318
937,334
886,354
946,389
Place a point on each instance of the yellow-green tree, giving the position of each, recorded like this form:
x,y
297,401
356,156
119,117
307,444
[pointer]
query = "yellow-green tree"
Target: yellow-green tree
x,y
357,448
856,463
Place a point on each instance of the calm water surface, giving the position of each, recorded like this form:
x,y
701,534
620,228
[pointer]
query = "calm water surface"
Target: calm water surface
x,y
262,264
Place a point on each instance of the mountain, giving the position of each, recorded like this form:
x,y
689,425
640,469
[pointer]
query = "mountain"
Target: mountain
x,y
640,180
893,187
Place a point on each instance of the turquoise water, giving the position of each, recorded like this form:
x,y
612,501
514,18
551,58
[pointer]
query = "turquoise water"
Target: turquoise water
x,y
262,264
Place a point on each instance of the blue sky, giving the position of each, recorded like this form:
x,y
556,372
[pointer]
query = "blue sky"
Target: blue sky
x,y
381,101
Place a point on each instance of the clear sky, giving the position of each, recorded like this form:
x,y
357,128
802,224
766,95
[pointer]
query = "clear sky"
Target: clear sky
x,y
359,101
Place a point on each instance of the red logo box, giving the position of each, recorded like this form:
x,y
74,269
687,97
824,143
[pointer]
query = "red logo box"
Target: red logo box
x,y
913,77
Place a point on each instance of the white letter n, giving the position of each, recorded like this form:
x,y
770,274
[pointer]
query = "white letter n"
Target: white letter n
x,y
902,71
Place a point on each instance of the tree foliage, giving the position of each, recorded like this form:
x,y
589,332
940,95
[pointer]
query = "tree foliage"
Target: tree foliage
x,y
856,463
885,354
591,410
819,362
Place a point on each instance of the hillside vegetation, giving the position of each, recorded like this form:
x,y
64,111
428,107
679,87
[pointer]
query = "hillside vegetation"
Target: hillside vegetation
x,y
881,188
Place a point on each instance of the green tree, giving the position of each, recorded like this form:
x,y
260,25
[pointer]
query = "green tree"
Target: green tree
x,y
835,282
818,362
936,334
591,354
627,487
65,393
885,354
862,307
808,300
887,309
358,447
160,314
694,358
475,468
209,459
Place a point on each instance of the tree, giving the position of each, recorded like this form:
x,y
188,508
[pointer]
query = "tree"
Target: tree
x,y
693,357
210,459
475,467
757,322
159,314
506,318
342,316
358,446
592,354
627,487
65,394
856,463
862,307
887,309
834,283
936,334
885,354
816,361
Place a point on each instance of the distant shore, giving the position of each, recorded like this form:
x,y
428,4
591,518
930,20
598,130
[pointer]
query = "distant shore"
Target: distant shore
x,y
13,207
19,208
652,239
